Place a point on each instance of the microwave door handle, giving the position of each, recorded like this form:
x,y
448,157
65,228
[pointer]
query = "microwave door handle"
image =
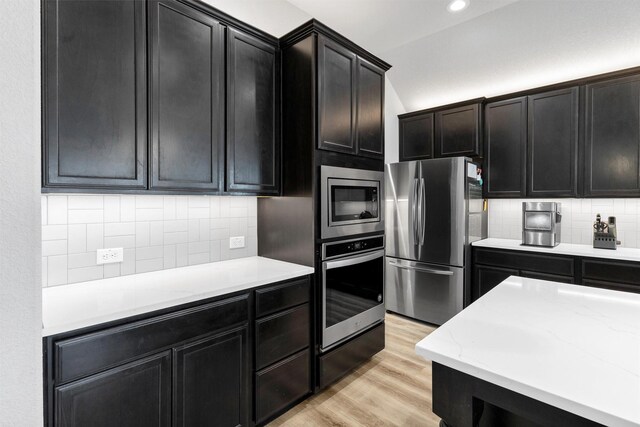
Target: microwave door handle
x,y
423,210
422,270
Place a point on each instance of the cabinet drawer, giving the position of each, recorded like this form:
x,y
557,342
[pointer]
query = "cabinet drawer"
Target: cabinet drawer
x,y
545,276
550,264
281,385
281,297
280,335
87,354
611,271
611,285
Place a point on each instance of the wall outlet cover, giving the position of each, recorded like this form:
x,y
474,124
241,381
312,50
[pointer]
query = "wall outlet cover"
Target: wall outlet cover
x,y
109,255
236,242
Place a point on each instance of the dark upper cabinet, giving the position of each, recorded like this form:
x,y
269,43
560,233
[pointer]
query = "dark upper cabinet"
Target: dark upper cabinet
x,y
253,148
612,138
336,97
132,395
459,131
186,62
211,381
552,143
416,137
94,88
370,110
505,148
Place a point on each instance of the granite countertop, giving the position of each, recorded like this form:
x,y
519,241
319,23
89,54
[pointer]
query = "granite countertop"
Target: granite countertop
x,y
69,307
623,254
573,347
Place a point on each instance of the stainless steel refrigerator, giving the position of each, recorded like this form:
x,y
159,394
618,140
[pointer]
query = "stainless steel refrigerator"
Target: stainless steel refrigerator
x,y
433,211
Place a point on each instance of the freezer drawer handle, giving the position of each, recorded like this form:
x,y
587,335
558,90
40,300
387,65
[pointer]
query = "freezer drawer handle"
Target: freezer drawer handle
x,y
423,270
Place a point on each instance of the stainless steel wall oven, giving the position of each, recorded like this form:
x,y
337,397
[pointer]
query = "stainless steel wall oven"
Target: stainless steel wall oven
x,y
352,287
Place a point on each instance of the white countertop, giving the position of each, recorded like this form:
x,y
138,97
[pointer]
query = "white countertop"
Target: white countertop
x,y
573,347
69,307
625,254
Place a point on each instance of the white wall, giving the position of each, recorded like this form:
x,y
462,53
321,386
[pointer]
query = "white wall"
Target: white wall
x,y
20,292
524,45
578,215
156,232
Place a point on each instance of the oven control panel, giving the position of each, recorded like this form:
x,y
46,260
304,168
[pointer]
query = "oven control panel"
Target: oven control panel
x,y
342,248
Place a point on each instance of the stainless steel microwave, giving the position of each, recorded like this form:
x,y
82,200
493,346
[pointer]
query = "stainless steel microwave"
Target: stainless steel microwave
x,y
350,201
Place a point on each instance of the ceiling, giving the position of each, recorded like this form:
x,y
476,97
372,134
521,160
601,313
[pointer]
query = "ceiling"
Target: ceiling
x,y
492,47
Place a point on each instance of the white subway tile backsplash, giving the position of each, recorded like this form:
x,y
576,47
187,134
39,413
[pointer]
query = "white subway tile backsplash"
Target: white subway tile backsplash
x,y
54,247
54,232
95,237
85,216
112,209
156,232
56,209
57,270
578,215
85,273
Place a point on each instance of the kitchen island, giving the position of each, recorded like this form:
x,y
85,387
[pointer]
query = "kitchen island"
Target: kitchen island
x,y
533,351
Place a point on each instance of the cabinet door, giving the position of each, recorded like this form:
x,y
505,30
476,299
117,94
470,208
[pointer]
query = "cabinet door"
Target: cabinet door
x,y
458,131
553,144
370,121
487,278
211,381
187,93
416,137
94,121
612,138
336,97
253,150
137,394
505,148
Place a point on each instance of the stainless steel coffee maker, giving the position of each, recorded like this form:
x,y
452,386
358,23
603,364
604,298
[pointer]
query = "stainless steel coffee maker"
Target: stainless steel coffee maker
x,y
541,223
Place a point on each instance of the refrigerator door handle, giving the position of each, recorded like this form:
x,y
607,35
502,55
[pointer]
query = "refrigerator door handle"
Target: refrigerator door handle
x,y
423,210
414,210
422,270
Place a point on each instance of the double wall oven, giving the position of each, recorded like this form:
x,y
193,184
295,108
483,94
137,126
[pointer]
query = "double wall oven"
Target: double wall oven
x,y
352,252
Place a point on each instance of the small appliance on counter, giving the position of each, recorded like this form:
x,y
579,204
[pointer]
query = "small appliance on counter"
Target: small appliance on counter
x,y
541,223
605,234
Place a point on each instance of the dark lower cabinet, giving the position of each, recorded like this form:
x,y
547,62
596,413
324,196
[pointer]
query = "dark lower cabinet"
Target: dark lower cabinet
x,y
459,131
253,148
486,278
211,381
505,148
370,110
136,394
416,137
552,144
612,138
94,95
492,266
283,348
280,385
186,62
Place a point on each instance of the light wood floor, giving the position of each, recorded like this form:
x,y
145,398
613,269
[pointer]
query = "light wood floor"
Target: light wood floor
x,y
392,389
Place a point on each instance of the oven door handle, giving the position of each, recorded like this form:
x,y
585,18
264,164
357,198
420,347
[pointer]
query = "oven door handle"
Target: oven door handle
x,y
422,270
358,259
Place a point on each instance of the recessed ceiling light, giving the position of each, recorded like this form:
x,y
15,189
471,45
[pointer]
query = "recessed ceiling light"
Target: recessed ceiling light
x,y
457,5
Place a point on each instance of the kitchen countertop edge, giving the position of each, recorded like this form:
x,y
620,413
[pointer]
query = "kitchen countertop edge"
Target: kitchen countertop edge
x,y
51,327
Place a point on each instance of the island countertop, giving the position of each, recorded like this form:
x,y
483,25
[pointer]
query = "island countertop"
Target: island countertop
x,y
572,347
69,307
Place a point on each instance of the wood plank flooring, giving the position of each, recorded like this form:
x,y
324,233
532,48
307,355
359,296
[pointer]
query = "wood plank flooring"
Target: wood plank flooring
x,y
392,389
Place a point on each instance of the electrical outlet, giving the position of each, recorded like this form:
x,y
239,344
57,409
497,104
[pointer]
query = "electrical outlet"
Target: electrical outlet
x,y
236,242
110,255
